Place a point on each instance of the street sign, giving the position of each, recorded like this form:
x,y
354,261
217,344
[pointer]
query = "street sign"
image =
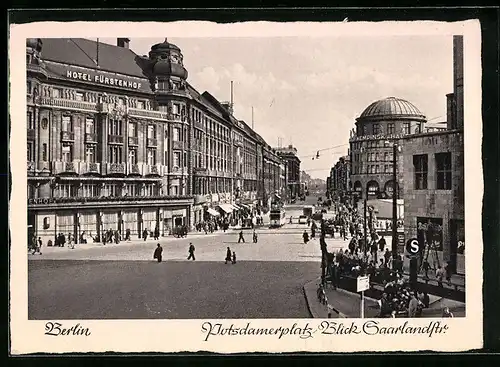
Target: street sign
x,y
413,246
363,283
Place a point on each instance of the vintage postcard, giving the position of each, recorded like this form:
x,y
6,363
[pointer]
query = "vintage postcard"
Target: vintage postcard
x,y
250,187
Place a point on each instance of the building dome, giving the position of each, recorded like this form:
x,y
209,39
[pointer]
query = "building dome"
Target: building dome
x,y
167,60
391,108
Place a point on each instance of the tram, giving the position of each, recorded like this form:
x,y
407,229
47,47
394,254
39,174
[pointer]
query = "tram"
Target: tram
x,y
277,218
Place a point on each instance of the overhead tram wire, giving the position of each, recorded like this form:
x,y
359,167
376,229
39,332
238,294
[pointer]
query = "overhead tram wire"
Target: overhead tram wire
x,y
324,150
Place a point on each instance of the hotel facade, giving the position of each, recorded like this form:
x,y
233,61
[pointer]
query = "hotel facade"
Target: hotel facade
x,y
123,142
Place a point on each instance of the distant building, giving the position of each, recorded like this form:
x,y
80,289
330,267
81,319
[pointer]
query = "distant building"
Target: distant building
x,y
340,178
382,124
292,165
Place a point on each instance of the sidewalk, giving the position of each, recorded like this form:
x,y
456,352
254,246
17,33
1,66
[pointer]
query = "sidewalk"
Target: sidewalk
x,y
344,304
135,242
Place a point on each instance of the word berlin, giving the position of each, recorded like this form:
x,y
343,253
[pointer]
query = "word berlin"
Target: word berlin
x,y
102,79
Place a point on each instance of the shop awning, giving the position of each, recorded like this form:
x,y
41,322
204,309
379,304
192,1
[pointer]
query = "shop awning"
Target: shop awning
x,y
226,207
213,212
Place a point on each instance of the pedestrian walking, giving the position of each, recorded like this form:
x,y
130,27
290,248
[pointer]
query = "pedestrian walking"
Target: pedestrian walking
x,y
447,270
440,275
71,241
158,253
145,234
305,236
127,234
228,255
234,257
254,237
381,243
191,252
413,306
38,247
240,238
157,233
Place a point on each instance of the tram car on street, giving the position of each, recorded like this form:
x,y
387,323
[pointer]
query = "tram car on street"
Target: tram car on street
x,y
277,218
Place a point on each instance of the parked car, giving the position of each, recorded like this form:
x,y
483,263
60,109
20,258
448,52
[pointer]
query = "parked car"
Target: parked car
x,y
303,219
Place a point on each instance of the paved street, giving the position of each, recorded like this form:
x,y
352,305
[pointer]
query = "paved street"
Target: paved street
x,y
145,290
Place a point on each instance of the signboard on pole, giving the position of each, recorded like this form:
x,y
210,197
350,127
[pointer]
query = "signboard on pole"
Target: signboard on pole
x,y
363,283
413,247
401,242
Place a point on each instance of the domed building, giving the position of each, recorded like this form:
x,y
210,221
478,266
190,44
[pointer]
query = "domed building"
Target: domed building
x,y
379,126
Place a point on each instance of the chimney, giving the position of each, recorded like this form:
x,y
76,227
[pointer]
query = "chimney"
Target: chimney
x,y
458,79
123,42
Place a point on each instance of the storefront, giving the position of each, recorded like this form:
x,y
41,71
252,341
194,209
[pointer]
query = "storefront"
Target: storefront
x,y
109,220
66,223
88,224
149,219
130,221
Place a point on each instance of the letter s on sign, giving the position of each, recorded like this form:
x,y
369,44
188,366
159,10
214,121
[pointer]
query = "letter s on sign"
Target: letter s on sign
x,y
414,246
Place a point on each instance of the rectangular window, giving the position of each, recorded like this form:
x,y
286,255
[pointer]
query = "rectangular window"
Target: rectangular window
x,y
406,128
114,154
90,153
64,191
28,86
67,152
151,153
31,152
115,127
67,124
420,165
44,152
376,168
386,157
131,190
140,105
185,160
376,129
132,156
176,134
89,190
132,129
30,121
110,190
443,171
89,126
176,162
79,96
150,190
56,93
390,128
151,132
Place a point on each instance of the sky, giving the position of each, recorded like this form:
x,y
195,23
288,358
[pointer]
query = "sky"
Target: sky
x,y
308,91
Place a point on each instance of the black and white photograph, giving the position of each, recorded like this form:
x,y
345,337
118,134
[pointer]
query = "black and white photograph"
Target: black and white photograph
x,y
185,177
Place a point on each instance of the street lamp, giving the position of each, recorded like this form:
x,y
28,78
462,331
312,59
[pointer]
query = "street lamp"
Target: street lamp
x,y
395,149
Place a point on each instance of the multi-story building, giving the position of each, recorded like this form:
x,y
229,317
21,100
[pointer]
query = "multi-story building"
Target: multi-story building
x,y
381,125
340,178
292,166
434,176
123,142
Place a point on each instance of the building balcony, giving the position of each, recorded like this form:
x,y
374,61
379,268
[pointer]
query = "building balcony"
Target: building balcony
x,y
89,168
135,169
199,170
67,136
36,68
31,167
179,145
115,168
115,139
67,104
152,142
199,125
59,167
30,134
133,140
155,115
153,170
90,138
179,170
